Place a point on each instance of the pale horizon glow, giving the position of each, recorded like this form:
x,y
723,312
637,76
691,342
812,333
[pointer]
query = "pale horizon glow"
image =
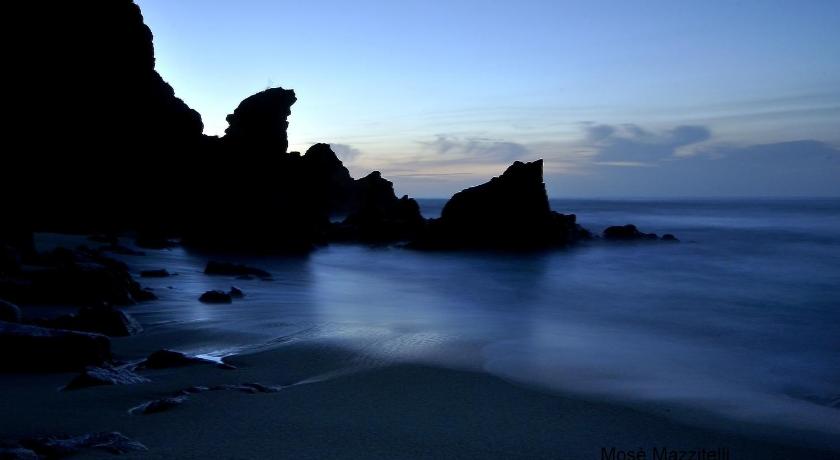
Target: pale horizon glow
x,y
659,99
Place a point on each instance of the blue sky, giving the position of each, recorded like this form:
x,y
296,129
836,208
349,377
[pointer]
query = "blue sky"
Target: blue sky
x,y
621,98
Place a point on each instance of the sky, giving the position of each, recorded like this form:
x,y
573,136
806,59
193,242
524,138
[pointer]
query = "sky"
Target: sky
x,y
620,98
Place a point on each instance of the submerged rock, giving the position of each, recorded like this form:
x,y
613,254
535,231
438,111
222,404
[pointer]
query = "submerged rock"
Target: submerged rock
x,y
157,405
163,359
629,232
232,269
236,293
215,297
161,273
39,349
96,376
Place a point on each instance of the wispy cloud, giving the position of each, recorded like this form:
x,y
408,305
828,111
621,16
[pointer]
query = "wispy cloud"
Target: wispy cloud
x,y
632,145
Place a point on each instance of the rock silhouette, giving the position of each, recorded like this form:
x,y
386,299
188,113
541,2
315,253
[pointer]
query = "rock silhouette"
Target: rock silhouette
x,y
102,319
76,277
106,375
259,124
109,126
31,348
378,215
629,232
128,155
511,212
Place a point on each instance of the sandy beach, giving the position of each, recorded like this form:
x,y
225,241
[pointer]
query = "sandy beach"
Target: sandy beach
x,y
334,405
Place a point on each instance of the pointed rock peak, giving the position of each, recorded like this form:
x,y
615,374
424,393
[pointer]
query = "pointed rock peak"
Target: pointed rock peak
x,y
375,175
532,171
322,153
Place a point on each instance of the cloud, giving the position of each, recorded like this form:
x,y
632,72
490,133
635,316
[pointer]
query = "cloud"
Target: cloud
x,y
630,144
793,168
345,153
475,149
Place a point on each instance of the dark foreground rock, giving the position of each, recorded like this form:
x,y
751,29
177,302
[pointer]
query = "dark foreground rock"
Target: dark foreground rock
x,y
97,376
57,447
75,277
15,451
215,297
103,319
165,359
9,312
232,269
38,349
511,212
629,232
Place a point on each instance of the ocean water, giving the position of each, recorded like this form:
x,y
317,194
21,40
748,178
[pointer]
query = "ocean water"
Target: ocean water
x,y
740,319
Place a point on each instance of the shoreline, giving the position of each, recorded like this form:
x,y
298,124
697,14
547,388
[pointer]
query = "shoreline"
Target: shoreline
x,y
332,404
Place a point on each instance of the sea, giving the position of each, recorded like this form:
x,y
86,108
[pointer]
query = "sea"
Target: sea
x,y
739,320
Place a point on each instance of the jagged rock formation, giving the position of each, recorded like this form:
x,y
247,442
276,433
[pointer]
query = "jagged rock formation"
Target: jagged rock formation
x,y
378,215
510,212
92,118
127,154
259,124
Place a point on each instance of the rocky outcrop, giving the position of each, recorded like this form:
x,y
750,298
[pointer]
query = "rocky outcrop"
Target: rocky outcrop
x,y
110,103
511,212
378,215
259,123
106,375
76,277
103,319
629,232
32,348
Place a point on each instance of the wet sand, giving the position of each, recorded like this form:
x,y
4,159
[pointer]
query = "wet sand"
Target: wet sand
x,y
336,404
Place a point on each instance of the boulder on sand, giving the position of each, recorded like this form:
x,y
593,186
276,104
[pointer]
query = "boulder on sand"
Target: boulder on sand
x,y
97,376
215,297
164,359
75,277
102,319
39,349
